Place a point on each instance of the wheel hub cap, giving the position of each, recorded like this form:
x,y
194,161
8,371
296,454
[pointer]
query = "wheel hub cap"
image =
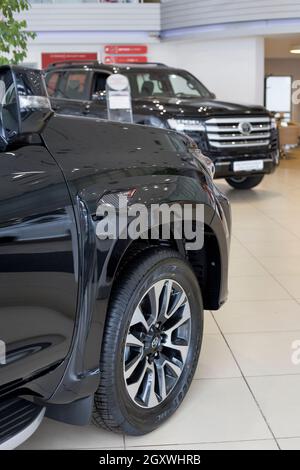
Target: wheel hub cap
x,y
157,343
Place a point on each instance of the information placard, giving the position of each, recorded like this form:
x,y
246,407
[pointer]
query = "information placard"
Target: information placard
x,y
119,107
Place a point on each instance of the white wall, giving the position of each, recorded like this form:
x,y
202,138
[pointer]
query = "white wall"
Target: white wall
x,y
232,68
87,42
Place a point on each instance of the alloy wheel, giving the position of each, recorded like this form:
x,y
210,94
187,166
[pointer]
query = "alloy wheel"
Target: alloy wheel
x,y
157,343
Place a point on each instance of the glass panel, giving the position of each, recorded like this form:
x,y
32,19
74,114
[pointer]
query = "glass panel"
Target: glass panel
x,y
100,83
165,83
52,82
150,84
75,85
182,86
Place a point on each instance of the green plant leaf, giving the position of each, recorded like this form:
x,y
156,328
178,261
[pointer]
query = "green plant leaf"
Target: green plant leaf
x,y
13,32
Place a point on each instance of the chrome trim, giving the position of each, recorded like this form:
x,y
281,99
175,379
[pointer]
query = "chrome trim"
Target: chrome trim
x,y
22,436
34,102
227,132
232,145
239,137
235,119
234,127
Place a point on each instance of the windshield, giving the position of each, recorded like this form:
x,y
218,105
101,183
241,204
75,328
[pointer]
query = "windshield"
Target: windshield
x,y
166,83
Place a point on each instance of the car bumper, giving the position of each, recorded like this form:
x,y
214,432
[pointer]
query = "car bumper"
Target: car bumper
x,y
224,169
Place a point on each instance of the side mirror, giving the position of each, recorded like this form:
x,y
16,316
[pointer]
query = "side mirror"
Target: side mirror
x,y
24,104
213,96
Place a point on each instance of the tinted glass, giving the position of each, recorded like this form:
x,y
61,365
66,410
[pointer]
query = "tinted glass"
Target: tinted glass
x,y
100,82
75,87
52,83
165,83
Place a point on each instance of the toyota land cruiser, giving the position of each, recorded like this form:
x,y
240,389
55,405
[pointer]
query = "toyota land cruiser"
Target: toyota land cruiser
x,y
242,141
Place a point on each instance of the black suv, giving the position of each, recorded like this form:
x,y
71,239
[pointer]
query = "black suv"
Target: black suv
x,y
242,141
109,325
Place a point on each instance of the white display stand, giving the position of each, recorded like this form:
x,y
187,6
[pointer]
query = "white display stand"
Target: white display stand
x,y
119,107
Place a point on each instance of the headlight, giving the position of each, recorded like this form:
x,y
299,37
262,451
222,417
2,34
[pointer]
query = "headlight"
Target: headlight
x,y
186,125
273,123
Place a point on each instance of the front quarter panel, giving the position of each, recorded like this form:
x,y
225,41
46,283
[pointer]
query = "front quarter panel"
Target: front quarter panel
x,y
98,157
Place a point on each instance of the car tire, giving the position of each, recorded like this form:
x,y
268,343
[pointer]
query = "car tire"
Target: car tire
x,y
121,404
245,182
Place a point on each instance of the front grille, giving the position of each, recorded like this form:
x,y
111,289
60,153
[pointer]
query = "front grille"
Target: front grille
x,y
15,415
239,132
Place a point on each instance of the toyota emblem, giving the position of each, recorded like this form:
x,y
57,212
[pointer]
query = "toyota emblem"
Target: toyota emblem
x,y
245,128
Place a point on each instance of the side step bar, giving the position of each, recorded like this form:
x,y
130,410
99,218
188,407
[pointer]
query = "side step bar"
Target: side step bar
x,y
19,419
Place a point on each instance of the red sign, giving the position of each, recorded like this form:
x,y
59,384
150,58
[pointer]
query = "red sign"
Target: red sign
x,y
50,57
126,49
125,59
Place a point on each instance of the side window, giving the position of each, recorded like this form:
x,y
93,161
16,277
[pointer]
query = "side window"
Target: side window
x,y
75,85
52,82
181,85
99,82
149,85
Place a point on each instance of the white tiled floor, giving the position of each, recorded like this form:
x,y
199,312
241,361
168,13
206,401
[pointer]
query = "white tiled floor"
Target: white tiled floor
x,y
246,392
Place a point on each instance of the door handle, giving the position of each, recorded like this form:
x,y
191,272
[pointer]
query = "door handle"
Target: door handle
x,y
86,108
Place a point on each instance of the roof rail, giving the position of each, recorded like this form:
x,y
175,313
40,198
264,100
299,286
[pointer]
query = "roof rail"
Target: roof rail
x,y
128,64
159,64
72,62
96,62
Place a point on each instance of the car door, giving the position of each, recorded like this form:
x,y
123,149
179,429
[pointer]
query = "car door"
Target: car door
x,y
38,263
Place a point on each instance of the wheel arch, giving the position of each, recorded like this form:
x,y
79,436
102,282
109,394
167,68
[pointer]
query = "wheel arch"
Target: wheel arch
x,y
206,262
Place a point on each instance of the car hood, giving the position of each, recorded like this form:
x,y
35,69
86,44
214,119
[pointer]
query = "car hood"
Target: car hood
x,y
192,107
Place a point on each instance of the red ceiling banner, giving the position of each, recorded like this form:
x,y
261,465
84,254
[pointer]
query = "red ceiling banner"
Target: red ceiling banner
x,y
125,59
126,49
50,57
125,54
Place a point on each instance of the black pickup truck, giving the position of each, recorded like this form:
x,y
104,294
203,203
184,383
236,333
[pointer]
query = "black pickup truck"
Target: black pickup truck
x,y
242,141
93,324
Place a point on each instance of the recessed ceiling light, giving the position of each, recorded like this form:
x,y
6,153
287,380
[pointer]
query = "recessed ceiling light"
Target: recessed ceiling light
x,y
295,50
